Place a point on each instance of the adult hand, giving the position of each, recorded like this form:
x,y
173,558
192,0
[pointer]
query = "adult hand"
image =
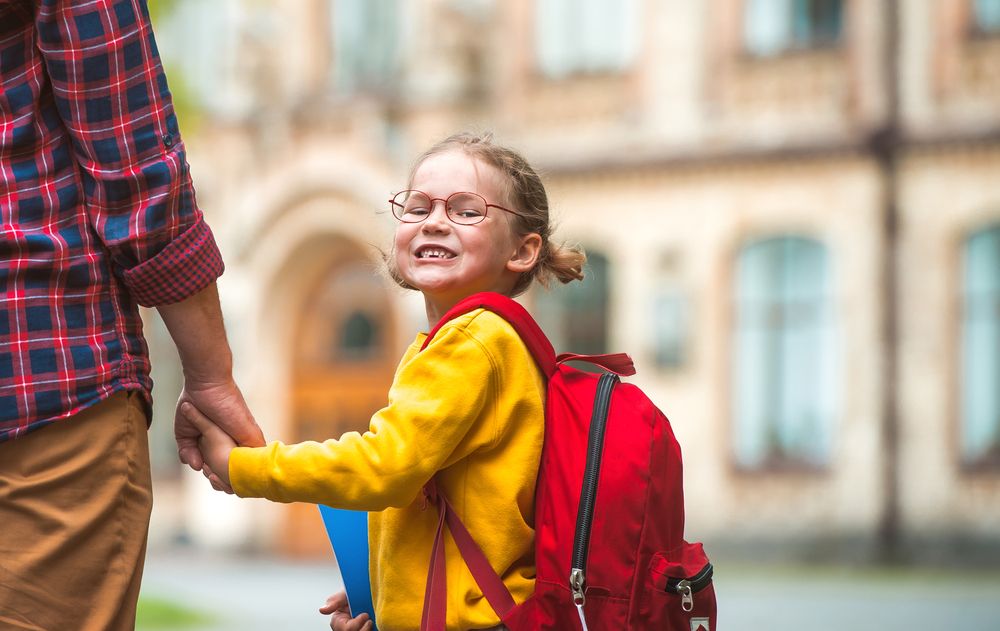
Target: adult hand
x,y
223,404
340,615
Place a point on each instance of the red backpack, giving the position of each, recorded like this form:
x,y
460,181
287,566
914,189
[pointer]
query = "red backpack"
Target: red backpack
x,y
609,507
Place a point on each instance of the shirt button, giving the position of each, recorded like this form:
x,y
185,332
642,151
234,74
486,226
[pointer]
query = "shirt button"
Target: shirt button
x,y
168,140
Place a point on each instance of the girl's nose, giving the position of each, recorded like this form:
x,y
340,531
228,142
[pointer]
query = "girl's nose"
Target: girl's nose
x,y
437,221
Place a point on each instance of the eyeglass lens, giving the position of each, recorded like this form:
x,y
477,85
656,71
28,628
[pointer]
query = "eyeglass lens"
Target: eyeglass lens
x,y
462,208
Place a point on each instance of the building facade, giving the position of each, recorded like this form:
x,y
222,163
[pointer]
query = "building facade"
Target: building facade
x,y
791,209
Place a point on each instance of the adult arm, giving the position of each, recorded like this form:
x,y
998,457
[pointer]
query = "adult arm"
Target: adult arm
x,y
196,326
112,99
113,102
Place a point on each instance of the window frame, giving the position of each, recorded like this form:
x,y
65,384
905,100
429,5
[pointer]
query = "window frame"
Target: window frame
x,y
556,330
975,27
582,59
792,45
825,330
990,462
362,80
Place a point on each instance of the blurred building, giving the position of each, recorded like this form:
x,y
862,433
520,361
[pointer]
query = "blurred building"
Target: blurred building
x,y
791,207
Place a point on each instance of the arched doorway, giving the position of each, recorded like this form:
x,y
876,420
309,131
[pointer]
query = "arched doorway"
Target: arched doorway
x,y
342,366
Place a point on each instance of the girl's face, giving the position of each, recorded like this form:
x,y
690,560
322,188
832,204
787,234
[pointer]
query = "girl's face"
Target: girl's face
x,y
447,261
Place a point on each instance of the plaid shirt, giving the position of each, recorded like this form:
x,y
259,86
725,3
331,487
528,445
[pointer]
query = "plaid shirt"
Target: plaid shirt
x,y
98,212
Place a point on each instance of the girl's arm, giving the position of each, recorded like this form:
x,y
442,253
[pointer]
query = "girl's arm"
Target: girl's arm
x,y
442,407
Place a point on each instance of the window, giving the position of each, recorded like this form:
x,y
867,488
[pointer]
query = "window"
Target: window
x,y
670,326
365,44
986,16
980,377
344,317
575,316
358,336
585,36
784,370
775,26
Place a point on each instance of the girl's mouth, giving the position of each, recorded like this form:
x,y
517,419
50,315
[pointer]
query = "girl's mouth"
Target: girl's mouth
x,y
433,252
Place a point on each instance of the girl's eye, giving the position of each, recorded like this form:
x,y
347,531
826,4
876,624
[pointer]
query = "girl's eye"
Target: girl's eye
x,y
467,213
417,211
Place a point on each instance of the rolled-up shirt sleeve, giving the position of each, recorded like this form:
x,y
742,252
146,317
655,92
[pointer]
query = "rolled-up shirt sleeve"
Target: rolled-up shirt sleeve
x,y
111,94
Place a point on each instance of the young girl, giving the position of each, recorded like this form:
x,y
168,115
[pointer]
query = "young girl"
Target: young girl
x,y
467,410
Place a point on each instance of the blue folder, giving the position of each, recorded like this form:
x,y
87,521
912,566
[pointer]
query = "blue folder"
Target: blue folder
x,y
348,532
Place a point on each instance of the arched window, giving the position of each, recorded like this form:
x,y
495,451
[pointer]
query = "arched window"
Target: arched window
x,y
575,316
784,369
980,376
344,317
358,336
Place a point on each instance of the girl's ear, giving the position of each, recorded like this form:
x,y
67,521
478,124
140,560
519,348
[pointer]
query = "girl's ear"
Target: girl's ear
x,y
526,255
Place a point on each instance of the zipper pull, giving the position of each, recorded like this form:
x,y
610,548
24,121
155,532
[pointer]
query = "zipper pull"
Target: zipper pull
x,y
576,580
687,598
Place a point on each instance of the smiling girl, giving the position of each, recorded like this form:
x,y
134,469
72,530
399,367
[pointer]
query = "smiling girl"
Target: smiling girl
x,y
467,410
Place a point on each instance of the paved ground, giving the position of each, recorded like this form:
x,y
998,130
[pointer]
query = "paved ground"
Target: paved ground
x,y
243,594
254,594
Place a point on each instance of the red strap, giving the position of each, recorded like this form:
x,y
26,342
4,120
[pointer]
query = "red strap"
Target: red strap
x,y
518,317
435,615
494,589
618,363
435,597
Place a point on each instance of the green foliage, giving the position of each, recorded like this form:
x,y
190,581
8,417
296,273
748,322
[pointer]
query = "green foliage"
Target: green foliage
x,y
159,9
159,613
186,106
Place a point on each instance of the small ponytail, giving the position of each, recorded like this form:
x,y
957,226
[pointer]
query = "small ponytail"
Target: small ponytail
x,y
561,262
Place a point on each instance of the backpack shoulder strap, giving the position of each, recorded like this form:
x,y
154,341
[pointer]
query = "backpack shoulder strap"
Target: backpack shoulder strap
x,y
518,317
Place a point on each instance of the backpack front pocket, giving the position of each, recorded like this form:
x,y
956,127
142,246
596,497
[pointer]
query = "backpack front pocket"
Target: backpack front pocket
x,y
679,593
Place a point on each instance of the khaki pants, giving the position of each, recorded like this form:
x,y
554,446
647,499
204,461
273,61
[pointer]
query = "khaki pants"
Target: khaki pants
x,y
75,499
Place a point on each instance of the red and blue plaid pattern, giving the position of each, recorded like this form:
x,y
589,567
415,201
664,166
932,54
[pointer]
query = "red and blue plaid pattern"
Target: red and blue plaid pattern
x,y
98,212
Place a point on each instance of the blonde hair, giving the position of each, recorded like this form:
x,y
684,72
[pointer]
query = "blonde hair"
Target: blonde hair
x,y
526,194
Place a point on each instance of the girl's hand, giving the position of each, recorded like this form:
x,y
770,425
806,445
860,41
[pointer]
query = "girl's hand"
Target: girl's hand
x,y
341,619
215,446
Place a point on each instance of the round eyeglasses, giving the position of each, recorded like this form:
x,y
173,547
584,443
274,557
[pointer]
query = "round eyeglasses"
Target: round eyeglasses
x,y
463,208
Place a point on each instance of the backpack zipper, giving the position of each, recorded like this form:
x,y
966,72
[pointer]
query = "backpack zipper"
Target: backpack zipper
x,y
687,587
588,493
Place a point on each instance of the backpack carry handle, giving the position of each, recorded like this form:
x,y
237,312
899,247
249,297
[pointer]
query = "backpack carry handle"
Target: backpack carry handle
x,y
619,363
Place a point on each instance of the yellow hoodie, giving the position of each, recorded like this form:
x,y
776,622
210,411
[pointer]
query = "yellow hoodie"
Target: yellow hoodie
x,y
469,408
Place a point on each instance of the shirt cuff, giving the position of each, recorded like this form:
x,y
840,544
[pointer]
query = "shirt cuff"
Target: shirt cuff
x,y
187,265
245,466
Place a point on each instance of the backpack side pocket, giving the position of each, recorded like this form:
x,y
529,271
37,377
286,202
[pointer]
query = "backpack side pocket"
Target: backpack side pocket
x,y
679,592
